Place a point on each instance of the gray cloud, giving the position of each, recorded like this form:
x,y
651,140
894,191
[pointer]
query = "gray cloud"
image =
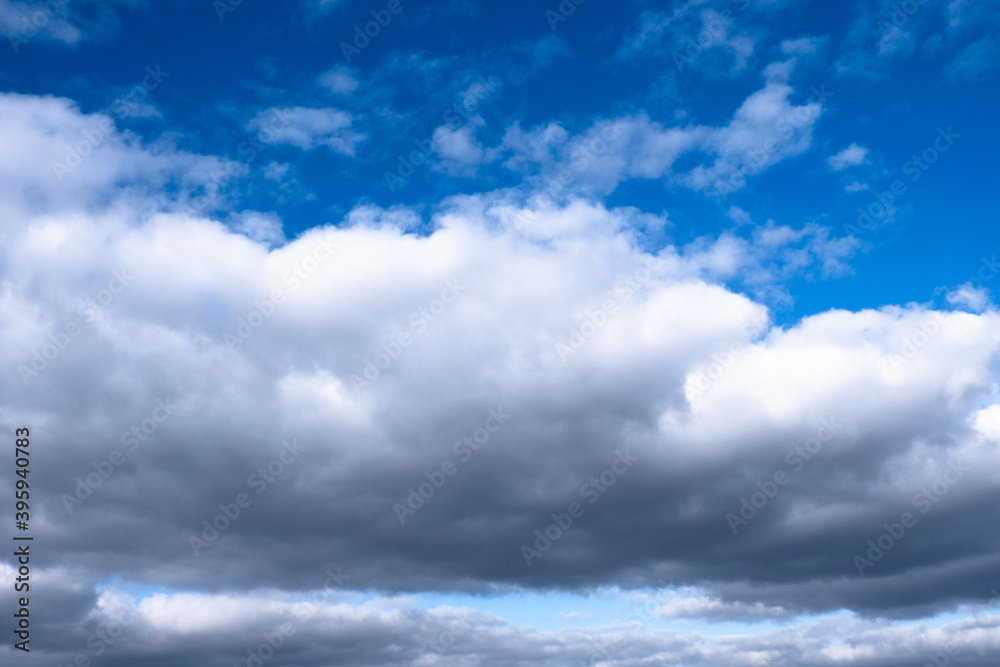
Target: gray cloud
x,y
336,298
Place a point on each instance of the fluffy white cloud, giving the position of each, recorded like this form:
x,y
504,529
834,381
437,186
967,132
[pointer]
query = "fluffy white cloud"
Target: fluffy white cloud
x,y
57,159
766,129
458,149
849,157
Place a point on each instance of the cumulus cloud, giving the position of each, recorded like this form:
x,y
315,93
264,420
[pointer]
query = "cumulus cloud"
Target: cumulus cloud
x,y
459,150
57,158
849,157
976,299
337,376
766,129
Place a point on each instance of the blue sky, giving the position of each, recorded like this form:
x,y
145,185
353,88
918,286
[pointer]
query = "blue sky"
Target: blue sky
x,y
708,232
889,95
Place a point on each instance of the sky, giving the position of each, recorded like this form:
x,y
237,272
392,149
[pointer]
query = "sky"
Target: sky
x,y
448,333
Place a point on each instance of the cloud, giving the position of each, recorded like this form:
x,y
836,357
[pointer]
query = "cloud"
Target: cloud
x,y
307,128
802,46
57,158
975,61
885,31
218,629
339,80
458,149
691,35
544,51
691,604
381,344
766,129
23,22
849,157
738,215
976,299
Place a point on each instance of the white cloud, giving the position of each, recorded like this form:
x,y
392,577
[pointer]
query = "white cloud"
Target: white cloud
x,y
56,158
459,150
849,157
339,80
976,299
987,422
738,215
689,36
691,604
307,128
23,22
263,228
766,129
